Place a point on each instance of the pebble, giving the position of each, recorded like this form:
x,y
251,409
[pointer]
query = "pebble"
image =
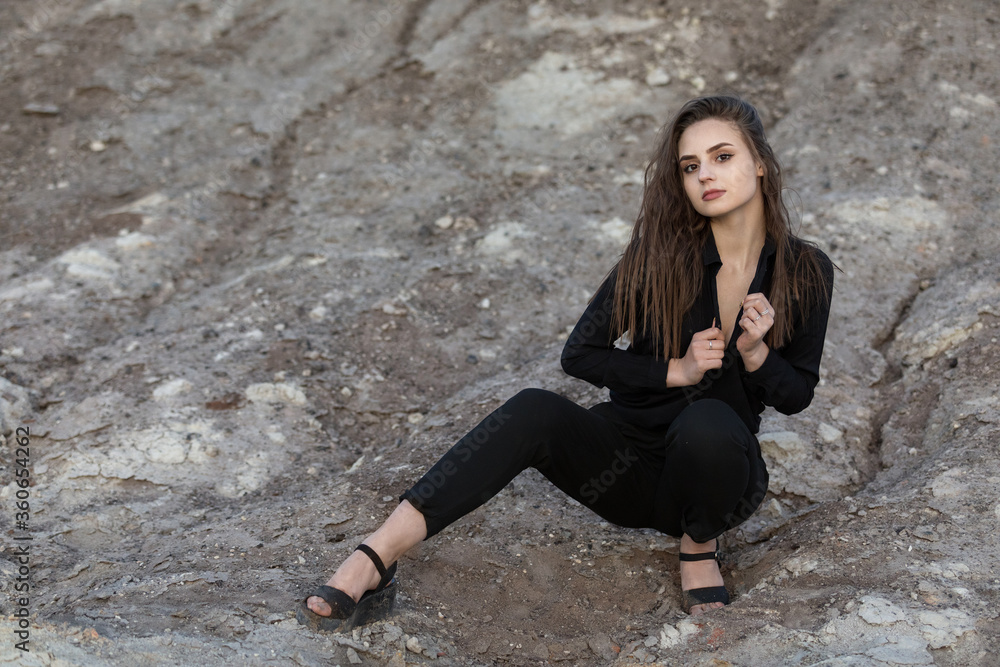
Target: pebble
x,y
353,657
671,635
50,49
801,565
391,309
98,146
413,645
41,109
444,222
172,388
829,434
266,392
657,77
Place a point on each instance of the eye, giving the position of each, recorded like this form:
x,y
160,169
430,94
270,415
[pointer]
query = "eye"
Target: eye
x,y
722,157
689,167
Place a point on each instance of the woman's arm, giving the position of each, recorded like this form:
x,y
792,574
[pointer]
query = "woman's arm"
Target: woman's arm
x,y
590,354
788,376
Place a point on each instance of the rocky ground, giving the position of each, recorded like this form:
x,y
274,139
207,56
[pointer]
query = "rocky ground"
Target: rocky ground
x,y
262,261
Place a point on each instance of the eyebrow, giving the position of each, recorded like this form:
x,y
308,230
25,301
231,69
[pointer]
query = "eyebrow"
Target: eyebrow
x,y
710,150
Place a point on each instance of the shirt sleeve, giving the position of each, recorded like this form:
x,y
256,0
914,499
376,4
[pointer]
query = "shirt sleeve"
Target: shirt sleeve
x,y
788,376
590,353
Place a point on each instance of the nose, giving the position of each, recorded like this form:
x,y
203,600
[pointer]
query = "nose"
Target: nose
x,y
705,173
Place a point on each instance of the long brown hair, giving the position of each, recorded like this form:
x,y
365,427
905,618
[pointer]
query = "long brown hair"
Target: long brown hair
x,y
661,270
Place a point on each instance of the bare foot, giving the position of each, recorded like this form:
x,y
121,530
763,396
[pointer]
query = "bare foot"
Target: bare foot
x,y
356,575
700,573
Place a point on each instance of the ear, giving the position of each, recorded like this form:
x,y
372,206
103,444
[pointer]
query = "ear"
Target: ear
x,y
760,169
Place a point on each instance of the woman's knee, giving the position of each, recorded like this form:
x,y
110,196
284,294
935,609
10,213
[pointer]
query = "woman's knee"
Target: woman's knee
x,y
535,408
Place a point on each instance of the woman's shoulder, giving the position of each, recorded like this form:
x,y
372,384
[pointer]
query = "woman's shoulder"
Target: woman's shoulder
x,y
801,249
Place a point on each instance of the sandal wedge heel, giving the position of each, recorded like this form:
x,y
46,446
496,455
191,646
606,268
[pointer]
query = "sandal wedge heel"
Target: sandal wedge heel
x,y
346,614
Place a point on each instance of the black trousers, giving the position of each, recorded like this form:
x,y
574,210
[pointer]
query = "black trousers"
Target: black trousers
x,y
701,476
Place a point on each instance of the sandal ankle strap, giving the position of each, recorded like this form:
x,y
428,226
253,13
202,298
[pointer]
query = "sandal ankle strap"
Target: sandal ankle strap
x,y
708,555
368,551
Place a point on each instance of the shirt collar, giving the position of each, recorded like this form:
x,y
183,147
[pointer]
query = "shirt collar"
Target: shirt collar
x,y
710,253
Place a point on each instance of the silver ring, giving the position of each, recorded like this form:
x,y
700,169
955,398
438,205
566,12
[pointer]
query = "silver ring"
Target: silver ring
x,y
710,344
766,311
756,318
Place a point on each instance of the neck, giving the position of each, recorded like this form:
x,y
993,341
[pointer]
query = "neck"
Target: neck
x,y
739,238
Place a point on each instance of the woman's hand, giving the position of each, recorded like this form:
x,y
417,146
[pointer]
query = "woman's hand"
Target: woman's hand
x,y
703,354
757,320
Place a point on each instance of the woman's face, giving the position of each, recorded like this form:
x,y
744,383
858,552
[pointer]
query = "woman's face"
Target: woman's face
x,y
718,170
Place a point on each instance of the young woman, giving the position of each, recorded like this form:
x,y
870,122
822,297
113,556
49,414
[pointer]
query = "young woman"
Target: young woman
x,y
714,310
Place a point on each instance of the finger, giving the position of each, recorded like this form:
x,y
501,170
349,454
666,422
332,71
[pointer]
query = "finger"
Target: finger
x,y
706,334
759,302
751,327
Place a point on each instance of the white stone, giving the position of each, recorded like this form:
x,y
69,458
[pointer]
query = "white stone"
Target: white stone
x,y
172,388
783,444
657,77
87,272
949,484
134,241
282,392
444,222
879,611
318,313
155,445
616,230
499,242
671,635
943,628
253,473
394,310
829,434
801,565
87,257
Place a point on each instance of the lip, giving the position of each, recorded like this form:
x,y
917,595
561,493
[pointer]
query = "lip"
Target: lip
x,y
709,195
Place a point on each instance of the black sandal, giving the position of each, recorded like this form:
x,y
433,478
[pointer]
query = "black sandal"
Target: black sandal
x,y
347,614
709,594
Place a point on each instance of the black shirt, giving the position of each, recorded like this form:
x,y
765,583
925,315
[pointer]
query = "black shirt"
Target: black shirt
x,y
637,379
